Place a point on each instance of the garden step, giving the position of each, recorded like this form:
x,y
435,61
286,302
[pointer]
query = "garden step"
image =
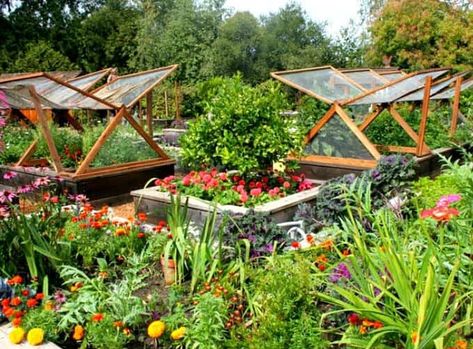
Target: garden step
x,y
5,342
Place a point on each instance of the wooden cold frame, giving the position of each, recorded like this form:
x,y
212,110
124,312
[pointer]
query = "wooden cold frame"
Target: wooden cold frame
x,y
335,109
456,106
424,116
84,168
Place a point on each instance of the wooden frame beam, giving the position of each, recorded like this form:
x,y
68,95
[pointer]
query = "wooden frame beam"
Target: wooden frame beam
x,y
113,123
149,112
424,116
456,106
339,162
27,154
146,136
43,123
370,118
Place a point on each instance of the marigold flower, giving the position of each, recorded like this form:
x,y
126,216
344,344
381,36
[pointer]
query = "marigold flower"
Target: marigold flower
x,y
363,329
126,331
120,232
7,311
461,344
327,244
179,333
16,335
118,324
35,336
415,337
25,293
295,244
97,317
49,306
142,217
78,334
31,303
156,329
140,235
16,280
354,319
76,286
16,322
441,214
15,301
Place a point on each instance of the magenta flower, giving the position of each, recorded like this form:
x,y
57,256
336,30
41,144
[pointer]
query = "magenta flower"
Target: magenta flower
x,y
23,189
40,182
9,175
446,200
340,272
7,196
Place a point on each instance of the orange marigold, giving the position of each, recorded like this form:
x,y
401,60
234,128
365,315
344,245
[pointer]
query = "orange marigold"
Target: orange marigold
x,y
97,317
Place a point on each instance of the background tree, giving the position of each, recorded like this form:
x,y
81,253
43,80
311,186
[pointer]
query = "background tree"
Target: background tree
x,y
41,56
417,34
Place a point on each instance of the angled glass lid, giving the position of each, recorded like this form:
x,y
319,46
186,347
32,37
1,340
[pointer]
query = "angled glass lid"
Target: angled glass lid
x,y
397,89
324,83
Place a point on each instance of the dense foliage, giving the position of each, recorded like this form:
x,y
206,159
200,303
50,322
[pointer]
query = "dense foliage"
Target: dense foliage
x,y
242,128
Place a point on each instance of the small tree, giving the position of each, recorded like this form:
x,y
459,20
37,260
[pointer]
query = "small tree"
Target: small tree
x,y
242,128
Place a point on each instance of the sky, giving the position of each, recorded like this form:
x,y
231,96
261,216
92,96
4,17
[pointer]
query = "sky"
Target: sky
x,y
336,13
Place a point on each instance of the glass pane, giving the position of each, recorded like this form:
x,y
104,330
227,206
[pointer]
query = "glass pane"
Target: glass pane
x,y
337,140
324,82
419,95
123,146
62,96
126,89
88,81
365,78
393,92
451,91
393,76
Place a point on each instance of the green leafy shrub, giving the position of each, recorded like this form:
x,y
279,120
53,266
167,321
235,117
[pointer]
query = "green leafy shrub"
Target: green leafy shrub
x,y
288,318
16,139
242,128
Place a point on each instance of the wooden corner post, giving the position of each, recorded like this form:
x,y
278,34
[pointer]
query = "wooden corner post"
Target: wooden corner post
x,y
43,123
456,106
424,116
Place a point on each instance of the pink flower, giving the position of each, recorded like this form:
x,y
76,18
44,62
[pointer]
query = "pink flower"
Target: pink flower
x,y
23,189
186,181
255,192
286,185
441,214
9,175
243,197
446,200
206,178
42,181
7,196
223,176
4,212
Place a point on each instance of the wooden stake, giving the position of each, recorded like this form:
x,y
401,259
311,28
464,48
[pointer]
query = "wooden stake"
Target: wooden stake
x,y
113,123
425,115
177,98
166,106
149,112
456,106
45,130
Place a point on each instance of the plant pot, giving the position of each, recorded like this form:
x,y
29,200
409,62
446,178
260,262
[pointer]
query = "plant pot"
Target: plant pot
x,y
169,270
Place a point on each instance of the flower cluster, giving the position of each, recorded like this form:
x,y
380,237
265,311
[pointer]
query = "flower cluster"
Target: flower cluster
x,y
157,328
364,325
22,299
234,189
442,212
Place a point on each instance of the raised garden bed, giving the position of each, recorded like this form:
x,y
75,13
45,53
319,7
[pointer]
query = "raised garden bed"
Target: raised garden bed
x,y
94,186
429,165
155,204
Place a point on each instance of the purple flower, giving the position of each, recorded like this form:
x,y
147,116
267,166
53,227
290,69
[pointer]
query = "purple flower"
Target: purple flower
x,y
23,189
42,181
7,196
79,198
376,175
9,175
60,297
340,272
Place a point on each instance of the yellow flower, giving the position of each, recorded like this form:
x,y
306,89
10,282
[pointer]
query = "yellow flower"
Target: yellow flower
x,y
78,334
178,334
16,335
35,336
156,329
49,306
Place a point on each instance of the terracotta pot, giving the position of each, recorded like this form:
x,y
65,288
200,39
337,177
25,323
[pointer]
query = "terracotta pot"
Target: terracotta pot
x,y
169,270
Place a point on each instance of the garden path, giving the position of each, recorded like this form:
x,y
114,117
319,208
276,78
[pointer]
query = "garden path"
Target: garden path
x,y
5,343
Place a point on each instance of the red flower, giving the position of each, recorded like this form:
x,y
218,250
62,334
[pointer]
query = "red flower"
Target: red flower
x,y
39,296
16,280
295,244
25,293
5,303
7,311
354,319
441,213
140,235
142,217
31,303
97,317
322,267
286,185
255,192
16,322
15,301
